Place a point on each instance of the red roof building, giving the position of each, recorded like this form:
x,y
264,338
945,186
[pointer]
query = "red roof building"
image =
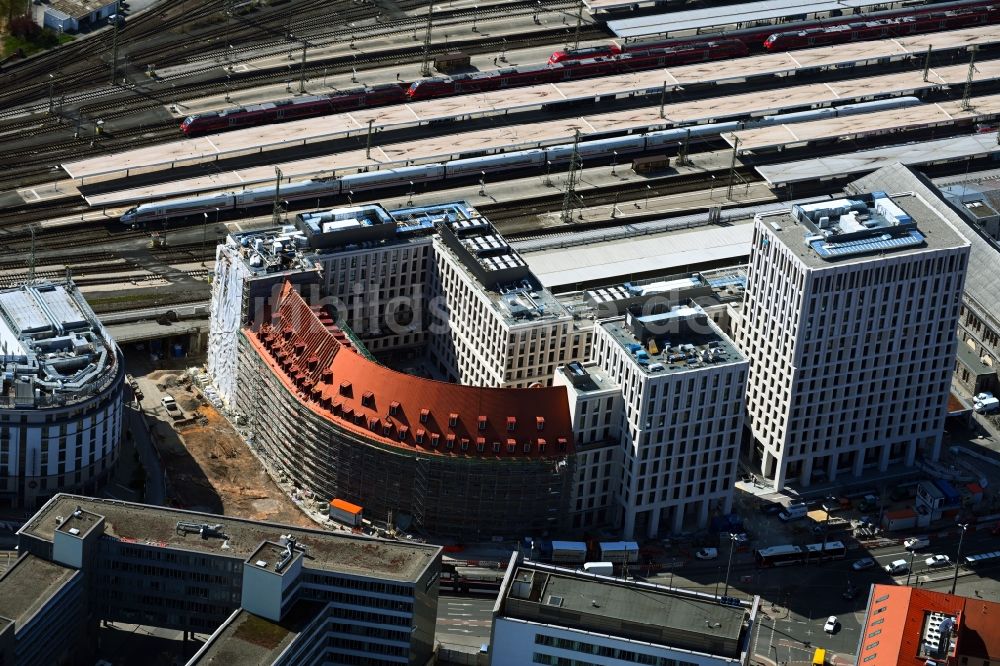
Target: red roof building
x,y
907,626
458,458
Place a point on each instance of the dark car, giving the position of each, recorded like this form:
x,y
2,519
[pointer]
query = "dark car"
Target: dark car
x,y
771,508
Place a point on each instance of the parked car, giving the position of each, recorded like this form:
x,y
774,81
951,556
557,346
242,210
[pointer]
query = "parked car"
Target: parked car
x,y
868,503
916,543
831,624
771,508
707,553
169,403
863,563
897,567
938,561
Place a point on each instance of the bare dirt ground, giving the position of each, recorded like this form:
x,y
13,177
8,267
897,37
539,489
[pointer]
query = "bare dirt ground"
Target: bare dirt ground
x,y
208,466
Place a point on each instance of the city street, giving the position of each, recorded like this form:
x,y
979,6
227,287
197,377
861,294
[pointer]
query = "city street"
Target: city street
x,y
796,600
464,621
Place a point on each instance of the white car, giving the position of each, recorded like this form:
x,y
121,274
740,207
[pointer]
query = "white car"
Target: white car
x,y
897,567
707,553
916,543
831,624
937,561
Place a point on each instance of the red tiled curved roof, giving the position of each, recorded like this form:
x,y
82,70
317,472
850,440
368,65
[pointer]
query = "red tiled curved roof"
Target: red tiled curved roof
x,y
317,361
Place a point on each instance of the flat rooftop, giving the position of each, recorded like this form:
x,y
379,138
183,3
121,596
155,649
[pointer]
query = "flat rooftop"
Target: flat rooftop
x,y
28,585
79,523
697,20
338,552
923,229
938,151
641,611
49,328
79,9
587,377
680,340
250,640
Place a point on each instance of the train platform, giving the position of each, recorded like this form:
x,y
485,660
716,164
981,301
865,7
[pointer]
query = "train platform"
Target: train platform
x,y
778,64
431,150
923,153
735,17
211,148
489,26
779,137
55,190
532,135
326,128
326,85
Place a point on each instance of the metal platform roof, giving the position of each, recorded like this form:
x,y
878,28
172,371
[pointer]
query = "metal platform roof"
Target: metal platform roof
x,y
742,15
271,137
940,151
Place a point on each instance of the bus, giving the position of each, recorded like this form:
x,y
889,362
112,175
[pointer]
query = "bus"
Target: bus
x,y
831,550
973,561
786,554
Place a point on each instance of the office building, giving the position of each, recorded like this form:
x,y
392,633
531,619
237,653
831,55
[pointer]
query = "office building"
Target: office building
x,y
978,355
267,593
682,384
849,327
657,412
60,395
548,615
906,626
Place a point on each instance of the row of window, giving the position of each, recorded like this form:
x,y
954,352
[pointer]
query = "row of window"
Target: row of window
x,y
608,651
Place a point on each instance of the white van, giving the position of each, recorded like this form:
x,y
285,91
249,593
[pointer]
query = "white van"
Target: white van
x,y
600,568
794,512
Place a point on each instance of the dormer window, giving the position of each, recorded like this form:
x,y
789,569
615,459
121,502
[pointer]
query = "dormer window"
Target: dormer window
x,y
482,423
393,408
453,420
368,399
424,414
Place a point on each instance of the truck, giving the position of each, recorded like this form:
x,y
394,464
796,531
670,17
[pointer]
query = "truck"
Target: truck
x,y
620,552
569,552
600,568
345,512
987,406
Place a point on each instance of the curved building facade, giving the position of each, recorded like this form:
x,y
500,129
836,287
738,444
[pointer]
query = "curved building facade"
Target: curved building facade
x,y
61,397
456,459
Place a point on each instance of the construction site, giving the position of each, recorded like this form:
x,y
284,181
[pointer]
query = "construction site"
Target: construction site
x,y
207,466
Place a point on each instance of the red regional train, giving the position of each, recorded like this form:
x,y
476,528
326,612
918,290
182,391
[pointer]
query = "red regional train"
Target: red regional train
x,y
883,28
682,54
293,109
755,37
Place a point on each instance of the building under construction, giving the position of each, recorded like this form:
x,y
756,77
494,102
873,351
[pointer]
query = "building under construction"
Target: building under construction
x,y
483,448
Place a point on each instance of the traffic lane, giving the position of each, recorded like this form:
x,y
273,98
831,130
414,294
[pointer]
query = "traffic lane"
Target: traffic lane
x,y
793,639
464,616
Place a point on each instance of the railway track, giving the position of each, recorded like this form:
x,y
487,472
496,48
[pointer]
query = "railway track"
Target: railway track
x,y
31,164
517,219
188,48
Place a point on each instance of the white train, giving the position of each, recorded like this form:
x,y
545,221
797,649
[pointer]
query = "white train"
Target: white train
x,y
474,166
